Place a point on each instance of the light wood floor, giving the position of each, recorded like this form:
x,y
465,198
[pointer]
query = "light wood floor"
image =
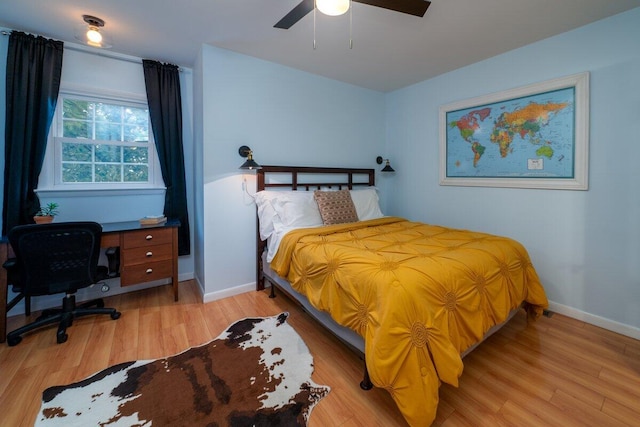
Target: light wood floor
x,y
555,372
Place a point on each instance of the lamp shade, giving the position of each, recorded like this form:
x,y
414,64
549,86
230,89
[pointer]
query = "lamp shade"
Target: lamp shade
x,y
333,7
249,164
387,167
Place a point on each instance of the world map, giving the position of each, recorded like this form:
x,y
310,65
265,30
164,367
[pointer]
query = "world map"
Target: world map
x,y
531,136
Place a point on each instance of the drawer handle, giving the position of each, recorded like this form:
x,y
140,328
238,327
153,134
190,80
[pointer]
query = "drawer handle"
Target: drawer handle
x,y
149,270
149,237
149,254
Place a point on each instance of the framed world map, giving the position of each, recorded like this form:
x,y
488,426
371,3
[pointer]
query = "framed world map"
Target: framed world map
x,y
535,136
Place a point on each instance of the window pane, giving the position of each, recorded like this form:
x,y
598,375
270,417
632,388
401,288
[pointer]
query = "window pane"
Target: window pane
x,y
74,172
108,153
108,173
76,152
76,129
108,113
136,116
136,155
136,133
136,173
108,132
76,109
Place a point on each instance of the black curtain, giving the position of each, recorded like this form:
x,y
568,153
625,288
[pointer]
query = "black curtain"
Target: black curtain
x,y
165,108
34,66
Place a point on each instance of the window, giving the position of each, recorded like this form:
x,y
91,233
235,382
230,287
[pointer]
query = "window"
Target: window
x,y
100,143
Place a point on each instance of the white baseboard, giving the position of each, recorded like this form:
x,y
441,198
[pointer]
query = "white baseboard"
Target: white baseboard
x,y
185,276
592,319
200,288
213,296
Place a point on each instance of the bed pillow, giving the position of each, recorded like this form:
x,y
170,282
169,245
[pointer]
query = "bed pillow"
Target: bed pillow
x,y
336,207
297,209
267,216
367,203
286,209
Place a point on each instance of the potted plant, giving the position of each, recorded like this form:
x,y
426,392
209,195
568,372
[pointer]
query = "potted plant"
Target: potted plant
x,y
46,213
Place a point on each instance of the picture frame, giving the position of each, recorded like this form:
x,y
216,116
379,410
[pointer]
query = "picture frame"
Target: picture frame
x,y
534,136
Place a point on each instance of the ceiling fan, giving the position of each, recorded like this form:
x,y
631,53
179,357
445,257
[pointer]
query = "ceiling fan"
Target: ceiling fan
x,y
411,7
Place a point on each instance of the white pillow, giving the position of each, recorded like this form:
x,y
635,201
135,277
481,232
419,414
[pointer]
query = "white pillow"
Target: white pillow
x,y
367,203
286,209
280,209
297,209
267,216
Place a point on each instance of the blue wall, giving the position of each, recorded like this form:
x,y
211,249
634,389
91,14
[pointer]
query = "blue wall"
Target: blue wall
x,y
287,117
584,244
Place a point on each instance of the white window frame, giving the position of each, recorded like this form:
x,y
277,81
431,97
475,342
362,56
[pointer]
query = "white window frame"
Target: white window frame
x,y
50,179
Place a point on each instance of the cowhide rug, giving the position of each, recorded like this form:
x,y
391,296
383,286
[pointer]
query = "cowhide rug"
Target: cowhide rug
x,y
256,373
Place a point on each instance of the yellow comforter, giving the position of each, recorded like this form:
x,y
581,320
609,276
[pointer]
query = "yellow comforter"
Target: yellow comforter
x,y
418,294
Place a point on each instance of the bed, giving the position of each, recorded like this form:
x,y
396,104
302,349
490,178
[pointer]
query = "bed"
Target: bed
x,y
411,298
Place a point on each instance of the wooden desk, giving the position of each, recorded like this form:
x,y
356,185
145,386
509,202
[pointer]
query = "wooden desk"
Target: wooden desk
x,y
147,253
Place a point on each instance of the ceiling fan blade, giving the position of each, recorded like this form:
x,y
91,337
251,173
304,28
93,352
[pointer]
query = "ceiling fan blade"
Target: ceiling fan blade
x,y
412,7
296,14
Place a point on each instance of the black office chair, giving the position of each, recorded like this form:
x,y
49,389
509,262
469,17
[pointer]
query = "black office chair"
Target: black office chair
x,y
51,259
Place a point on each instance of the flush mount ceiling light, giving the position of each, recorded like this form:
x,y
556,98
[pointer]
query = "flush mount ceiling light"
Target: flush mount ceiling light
x,y
92,32
333,7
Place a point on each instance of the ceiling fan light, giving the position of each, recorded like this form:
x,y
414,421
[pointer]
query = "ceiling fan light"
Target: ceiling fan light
x,y
333,7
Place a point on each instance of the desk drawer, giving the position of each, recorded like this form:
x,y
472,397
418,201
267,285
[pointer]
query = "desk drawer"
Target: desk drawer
x,y
143,238
132,275
151,253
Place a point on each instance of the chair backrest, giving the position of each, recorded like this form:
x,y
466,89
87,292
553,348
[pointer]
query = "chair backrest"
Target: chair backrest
x,y
57,257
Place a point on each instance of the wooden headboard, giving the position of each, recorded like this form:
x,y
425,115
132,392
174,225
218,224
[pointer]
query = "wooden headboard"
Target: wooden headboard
x,y
305,178
312,178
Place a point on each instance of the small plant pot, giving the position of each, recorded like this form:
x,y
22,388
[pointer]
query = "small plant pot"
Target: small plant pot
x,y
43,219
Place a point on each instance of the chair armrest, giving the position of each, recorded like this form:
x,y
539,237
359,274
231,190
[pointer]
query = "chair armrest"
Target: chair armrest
x,y
13,273
10,263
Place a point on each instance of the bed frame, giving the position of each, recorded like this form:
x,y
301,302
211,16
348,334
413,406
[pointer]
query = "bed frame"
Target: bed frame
x,y
302,178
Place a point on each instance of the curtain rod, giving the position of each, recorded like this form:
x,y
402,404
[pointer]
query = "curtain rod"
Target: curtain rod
x,y
93,51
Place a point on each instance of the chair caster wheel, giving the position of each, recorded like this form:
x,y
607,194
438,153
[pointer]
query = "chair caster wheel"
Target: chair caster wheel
x,y
11,341
116,315
62,338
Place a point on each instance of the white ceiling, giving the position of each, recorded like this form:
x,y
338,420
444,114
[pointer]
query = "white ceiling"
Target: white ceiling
x,y
390,50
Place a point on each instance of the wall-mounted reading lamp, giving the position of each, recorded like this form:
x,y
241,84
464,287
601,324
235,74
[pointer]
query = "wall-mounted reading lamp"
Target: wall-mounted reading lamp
x,y
387,167
250,164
